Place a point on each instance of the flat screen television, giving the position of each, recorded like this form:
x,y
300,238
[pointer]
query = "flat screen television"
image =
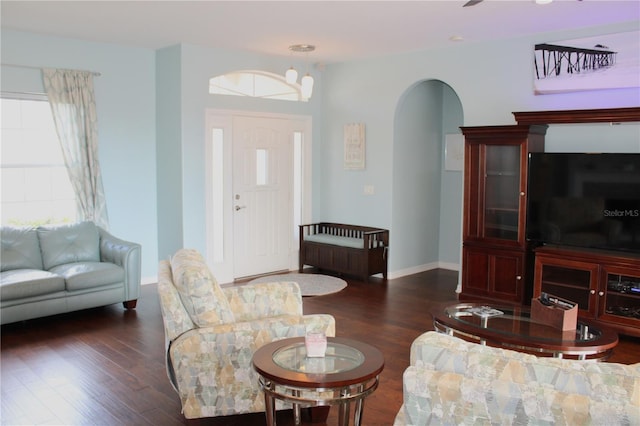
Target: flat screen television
x,y
584,200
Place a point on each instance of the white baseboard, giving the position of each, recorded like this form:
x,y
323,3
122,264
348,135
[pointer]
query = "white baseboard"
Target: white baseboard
x,y
148,280
390,275
423,268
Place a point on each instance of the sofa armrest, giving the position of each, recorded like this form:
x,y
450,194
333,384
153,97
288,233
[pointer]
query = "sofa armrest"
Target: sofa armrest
x,y
263,300
125,254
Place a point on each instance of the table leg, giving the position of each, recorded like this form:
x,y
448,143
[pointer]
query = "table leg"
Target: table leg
x,y
343,413
296,410
269,406
357,419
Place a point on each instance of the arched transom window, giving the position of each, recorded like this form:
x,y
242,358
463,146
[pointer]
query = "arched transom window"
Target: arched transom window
x,y
257,84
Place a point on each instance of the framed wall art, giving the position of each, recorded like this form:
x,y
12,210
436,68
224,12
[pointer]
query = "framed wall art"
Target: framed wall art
x,y
610,61
454,152
354,146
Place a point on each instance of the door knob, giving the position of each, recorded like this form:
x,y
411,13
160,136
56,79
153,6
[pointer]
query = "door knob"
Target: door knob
x,y
240,207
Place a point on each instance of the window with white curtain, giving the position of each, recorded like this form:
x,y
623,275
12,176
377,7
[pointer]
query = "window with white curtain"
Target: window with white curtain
x,y
34,180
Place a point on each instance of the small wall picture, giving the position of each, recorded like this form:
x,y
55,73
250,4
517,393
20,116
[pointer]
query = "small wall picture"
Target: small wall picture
x,y
454,152
354,146
610,61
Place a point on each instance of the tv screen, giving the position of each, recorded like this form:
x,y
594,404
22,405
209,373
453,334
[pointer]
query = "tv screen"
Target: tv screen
x,y
584,200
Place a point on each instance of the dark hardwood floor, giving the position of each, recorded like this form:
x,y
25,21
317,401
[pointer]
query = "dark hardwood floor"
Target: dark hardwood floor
x,y
105,366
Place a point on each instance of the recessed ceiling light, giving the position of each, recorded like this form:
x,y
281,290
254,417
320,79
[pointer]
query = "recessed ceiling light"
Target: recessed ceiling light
x,y
456,38
543,1
302,48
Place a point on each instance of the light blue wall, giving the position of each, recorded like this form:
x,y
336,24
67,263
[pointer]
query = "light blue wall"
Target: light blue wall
x,y
169,150
185,122
492,80
125,95
622,137
339,193
451,186
417,178
151,108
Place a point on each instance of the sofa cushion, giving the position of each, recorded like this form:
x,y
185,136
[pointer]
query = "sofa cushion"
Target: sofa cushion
x,y
335,240
79,242
199,291
24,283
83,275
339,240
20,248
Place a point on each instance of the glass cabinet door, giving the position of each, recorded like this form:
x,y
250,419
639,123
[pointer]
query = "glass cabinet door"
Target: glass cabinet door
x,y
575,283
502,192
621,299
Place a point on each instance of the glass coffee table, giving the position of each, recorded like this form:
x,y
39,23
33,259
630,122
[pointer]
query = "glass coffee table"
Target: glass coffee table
x,y
514,329
349,372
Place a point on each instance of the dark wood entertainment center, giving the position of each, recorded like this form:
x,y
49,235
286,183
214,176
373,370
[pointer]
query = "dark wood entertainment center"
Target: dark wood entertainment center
x,y
499,265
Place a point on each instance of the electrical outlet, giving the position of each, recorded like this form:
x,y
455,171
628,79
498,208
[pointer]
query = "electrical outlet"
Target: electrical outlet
x,y
368,190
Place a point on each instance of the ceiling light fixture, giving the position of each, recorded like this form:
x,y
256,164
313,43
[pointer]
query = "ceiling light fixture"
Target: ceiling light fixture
x,y
292,75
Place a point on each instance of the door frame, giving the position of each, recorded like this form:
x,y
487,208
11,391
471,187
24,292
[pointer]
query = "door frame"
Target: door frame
x,y
223,263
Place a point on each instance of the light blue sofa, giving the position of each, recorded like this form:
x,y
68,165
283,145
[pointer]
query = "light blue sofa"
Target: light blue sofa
x,y
55,269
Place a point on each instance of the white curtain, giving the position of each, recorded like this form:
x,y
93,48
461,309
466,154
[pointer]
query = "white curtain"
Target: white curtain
x,y
74,113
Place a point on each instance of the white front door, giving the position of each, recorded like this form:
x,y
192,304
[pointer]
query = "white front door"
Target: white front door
x,y
262,195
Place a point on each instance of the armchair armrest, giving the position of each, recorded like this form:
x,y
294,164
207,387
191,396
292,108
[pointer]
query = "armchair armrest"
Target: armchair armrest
x,y
321,322
263,300
125,254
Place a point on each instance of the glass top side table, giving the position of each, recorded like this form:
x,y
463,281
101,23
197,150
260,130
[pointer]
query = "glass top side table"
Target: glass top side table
x,y
338,358
349,372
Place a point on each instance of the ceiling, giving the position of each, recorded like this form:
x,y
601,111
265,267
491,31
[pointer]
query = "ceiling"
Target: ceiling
x,y
341,30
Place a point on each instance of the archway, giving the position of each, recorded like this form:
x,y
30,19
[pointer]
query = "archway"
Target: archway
x,y
426,202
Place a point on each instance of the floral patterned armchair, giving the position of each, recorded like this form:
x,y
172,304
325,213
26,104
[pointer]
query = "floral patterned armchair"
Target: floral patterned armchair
x,y
212,332
454,382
